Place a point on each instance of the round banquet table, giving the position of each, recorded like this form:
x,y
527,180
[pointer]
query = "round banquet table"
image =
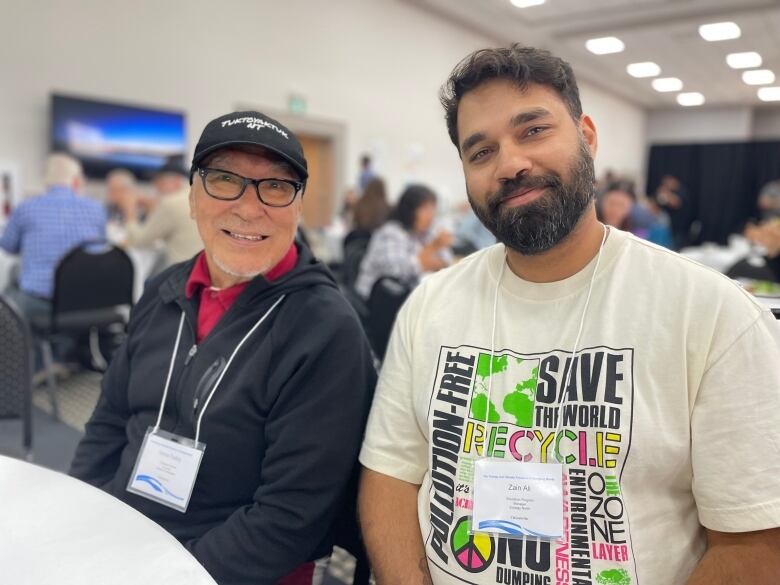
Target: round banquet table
x,y
55,529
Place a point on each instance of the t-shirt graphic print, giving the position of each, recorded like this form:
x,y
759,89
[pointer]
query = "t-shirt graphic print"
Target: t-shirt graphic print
x,y
519,397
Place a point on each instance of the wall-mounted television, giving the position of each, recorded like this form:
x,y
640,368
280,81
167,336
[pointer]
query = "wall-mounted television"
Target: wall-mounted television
x,y
105,135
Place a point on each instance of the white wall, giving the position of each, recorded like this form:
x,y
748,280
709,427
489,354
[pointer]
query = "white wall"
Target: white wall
x,y
621,133
700,124
374,65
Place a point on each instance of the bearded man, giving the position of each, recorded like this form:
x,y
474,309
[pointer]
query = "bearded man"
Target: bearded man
x,y
573,404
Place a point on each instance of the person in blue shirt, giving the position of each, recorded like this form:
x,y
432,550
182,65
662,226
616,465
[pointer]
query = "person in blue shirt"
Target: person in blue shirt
x,y
44,228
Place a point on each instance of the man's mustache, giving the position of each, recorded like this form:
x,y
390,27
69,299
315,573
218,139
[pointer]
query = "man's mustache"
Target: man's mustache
x,y
524,183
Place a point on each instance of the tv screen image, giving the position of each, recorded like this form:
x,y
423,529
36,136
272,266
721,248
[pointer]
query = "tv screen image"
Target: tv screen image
x,y
105,135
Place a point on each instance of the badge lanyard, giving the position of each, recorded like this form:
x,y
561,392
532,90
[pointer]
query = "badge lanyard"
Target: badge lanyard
x,y
523,499
167,464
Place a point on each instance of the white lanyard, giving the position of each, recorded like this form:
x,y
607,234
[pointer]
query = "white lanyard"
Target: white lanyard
x,y
563,399
222,375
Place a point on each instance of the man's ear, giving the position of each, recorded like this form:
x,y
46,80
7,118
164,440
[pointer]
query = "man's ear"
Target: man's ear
x,y
588,130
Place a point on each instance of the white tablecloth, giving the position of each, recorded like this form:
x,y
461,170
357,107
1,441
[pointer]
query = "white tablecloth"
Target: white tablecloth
x,y
58,530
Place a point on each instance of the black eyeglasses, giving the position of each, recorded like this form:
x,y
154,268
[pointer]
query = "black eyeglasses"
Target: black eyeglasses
x,y
228,186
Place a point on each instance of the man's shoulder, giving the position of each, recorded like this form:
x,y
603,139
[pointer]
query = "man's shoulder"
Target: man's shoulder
x,y
647,266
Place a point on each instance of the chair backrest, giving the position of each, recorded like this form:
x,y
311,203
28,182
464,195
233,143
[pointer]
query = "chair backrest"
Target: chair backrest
x,y
93,276
15,367
355,248
387,296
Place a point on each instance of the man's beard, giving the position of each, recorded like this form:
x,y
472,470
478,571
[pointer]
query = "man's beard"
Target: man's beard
x,y
541,225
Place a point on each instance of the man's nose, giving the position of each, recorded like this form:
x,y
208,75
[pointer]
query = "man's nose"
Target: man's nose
x,y
513,162
249,206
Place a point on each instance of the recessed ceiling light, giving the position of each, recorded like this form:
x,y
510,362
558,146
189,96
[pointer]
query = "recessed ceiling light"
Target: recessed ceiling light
x,y
743,60
758,77
645,69
719,31
692,98
769,94
667,84
605,45
526,3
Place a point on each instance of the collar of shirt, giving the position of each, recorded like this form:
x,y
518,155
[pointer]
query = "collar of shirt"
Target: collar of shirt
x,y
215,302
61,190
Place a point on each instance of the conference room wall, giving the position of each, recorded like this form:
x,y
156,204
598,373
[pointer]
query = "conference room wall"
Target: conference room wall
x,y
713,124
373,65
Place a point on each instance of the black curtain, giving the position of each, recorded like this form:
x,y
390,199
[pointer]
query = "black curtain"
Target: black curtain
x,y
723,181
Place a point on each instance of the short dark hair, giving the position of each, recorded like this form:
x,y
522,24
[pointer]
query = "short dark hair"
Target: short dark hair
x,y
516,63
413,197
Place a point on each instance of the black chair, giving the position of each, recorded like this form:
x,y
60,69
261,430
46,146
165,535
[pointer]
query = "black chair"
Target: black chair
x,y
355,248
754,268
93,289
387,296
16,370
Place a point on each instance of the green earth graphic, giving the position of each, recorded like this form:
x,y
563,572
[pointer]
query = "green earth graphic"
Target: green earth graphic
x,y
514,389
613,577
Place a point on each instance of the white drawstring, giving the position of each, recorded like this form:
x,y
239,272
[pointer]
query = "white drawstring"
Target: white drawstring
x,y
222,375
170,372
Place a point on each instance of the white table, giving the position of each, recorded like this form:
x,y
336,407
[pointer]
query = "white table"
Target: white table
x,y
58,530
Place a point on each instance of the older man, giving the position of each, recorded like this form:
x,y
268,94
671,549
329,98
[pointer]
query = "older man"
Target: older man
x,y
233,414
45,228
573,405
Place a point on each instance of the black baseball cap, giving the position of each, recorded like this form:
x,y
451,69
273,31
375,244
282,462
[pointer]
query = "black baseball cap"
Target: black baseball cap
x,y
251,128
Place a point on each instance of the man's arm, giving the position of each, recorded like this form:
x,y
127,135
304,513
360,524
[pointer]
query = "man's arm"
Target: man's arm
x,y
11,239
746,558
391,530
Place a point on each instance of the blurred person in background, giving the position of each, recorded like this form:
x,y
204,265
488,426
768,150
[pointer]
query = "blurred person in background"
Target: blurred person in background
x,y
168,215
43,229
767,235
366,173
404,247
470,234
673,198
117,182
267,367
619,208
769,200
614,208
372,209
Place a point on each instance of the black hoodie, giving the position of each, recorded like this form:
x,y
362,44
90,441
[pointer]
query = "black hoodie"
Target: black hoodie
x,y
282,431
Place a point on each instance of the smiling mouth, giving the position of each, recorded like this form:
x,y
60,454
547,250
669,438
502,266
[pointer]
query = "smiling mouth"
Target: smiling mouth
x,y
244,237
520,195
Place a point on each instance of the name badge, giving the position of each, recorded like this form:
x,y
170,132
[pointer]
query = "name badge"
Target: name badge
x,y
518,499
166,469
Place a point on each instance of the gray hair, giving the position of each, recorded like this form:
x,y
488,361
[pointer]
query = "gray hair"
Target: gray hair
x,y
62,169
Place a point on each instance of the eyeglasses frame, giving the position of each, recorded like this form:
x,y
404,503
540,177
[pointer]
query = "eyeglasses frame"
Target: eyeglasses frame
x,y
299,186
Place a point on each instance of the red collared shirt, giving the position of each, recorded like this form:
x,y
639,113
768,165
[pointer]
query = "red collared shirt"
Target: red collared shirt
x,y
214,302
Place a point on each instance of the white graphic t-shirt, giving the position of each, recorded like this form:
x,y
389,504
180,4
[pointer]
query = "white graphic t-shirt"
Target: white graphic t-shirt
x,y
670,419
